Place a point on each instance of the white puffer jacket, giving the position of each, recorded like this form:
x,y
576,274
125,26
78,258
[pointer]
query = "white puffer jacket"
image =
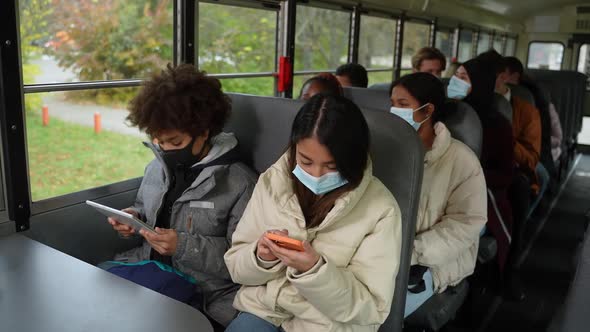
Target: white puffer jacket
x,y
351,288
452,213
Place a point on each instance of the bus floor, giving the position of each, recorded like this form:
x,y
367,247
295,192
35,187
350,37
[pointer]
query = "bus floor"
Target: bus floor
x,y
548,264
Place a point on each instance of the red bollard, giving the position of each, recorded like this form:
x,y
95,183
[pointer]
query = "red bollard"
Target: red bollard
x,y
97,126
45,115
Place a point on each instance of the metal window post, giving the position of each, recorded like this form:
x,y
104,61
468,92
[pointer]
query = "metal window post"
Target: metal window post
x,y
354,35
189,32
287,20
432,36
492,39
399,43
12,118
504,42
474,43
456,41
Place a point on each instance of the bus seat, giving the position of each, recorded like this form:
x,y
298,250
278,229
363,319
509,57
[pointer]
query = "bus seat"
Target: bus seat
x,y
567,90
369,98
500,104
441,308
464,125
380,86
392,137
523,93
262,126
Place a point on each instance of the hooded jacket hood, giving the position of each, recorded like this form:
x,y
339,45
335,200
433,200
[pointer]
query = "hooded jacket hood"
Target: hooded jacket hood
x,y
483,82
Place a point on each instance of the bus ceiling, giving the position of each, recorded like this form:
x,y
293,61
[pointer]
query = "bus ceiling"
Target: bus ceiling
x,y
500,15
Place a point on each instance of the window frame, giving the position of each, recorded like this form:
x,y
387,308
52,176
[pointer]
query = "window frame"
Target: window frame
x,y
326,6
473,42
259,5
509,37
490,35
394,19
61,201
528,53
413,20
579,53
503,38
578,62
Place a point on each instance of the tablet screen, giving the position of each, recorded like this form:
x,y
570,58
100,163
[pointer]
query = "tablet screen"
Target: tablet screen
x,y
122,217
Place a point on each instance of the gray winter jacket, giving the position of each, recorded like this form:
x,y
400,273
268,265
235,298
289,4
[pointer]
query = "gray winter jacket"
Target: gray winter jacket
x,y
205,217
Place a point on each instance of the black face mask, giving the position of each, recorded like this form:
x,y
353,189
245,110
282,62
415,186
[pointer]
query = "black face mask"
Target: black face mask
x,y
181,158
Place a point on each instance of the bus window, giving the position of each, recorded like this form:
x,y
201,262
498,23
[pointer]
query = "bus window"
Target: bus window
x,y
376,47
67,153
321,42
510,47
465,45
483,42
545,55
498,44
74,41
71,41
238,40
444,42
415,38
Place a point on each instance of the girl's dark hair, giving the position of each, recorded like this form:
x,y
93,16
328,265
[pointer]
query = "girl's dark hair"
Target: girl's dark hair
x,y
327,82
180,98
427,89
338,124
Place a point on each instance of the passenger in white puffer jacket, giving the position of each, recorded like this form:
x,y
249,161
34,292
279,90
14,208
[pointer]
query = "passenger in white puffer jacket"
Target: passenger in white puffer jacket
x,y
453,203
323,192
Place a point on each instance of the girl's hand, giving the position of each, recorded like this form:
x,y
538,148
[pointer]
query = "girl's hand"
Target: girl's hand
x,y
263,251
302,261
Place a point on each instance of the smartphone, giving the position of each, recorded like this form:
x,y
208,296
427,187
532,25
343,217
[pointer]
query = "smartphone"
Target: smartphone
x,y
285,241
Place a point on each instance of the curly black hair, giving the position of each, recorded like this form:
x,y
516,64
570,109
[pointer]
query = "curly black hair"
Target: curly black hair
x,y
180,98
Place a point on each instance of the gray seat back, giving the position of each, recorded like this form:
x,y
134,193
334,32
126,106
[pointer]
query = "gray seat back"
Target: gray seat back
x,y
567,90
381,86
500,104
465,126
522,93
262,126
398,161
369,98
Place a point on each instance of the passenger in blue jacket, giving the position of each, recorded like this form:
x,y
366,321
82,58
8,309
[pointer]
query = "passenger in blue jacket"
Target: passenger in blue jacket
x,y
195,190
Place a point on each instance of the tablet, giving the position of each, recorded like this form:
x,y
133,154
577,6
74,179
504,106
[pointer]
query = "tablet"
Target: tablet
x,y
122,217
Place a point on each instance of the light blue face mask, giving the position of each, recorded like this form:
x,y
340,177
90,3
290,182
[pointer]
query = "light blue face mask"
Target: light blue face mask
x,y
408,115
457,88
321,185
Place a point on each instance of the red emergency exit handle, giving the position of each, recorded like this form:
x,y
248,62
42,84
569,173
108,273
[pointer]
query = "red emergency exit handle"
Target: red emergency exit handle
x,y
285,80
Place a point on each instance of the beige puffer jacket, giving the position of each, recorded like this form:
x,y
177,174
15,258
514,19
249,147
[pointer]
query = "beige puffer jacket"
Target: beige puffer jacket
x,y
351,287
452,212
